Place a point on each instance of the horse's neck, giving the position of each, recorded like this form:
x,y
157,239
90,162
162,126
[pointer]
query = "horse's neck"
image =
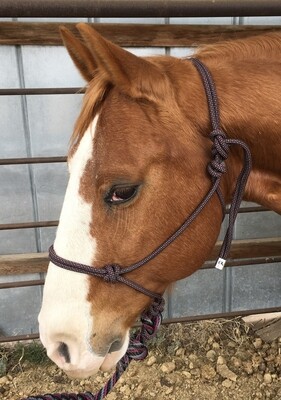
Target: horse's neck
x,y
249,99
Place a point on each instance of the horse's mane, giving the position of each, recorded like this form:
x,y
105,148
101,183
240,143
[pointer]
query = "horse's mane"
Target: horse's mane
x,y
254,48
267,46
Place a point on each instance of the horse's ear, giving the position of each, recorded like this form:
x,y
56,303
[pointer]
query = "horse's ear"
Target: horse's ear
x,y
80,54
135,76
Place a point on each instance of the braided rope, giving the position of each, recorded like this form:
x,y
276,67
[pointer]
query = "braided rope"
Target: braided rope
x,y
137,350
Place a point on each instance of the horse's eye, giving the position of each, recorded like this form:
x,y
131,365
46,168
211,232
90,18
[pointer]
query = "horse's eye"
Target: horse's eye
x,y
121,194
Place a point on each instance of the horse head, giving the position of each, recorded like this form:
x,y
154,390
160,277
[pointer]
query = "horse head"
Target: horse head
x,y
137,165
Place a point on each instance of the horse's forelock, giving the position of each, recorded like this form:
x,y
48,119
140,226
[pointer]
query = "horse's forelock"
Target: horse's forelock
x,y
93,98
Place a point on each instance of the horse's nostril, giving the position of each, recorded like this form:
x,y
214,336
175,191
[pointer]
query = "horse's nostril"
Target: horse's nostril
x,y
64,352
115,346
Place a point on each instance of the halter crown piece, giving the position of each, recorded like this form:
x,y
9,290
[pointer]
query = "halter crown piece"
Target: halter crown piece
x,y
113,273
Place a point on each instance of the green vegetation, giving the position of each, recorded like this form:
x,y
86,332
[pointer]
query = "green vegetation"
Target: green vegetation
x,y
14,356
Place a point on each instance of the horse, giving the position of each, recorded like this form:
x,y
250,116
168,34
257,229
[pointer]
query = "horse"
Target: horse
x,y
137,163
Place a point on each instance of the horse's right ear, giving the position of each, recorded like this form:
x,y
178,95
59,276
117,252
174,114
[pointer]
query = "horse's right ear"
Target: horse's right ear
x,y
80,54
135,76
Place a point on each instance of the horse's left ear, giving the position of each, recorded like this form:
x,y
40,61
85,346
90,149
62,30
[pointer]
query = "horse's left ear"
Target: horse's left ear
x,y
135,76
80,54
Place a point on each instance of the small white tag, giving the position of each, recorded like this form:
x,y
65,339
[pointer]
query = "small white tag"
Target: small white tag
x,y
220,263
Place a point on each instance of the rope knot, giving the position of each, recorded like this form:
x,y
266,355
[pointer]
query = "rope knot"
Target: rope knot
x,y
112,273
220,145
137,350
220,150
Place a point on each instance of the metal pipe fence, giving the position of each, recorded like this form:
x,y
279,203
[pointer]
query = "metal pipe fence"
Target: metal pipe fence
x,y
118,9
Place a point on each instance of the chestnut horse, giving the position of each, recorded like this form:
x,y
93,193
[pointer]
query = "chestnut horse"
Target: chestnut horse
x,y
137,166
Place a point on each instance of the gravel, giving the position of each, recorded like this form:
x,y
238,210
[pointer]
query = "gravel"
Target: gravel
x,y
210,360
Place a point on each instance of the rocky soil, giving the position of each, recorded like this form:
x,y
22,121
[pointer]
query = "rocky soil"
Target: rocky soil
x,y
210,360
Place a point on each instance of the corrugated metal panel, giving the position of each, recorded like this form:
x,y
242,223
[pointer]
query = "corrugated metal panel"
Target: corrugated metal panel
x,y
49,66
19,309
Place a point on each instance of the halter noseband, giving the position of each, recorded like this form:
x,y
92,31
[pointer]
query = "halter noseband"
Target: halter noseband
x,y
113,273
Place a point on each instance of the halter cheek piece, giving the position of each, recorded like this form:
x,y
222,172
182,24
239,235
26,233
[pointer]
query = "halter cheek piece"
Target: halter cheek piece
x,y
114,273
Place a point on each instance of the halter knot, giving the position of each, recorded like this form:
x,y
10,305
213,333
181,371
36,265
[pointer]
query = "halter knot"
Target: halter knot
x,y
220,150
112,273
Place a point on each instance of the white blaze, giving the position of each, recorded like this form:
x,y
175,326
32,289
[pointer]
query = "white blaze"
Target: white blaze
x,y
73,239
66,315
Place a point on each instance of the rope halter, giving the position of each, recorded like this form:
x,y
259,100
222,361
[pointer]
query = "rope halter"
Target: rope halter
x,y
113,273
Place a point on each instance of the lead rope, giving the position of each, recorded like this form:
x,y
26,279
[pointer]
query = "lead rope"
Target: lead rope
x,y
137,350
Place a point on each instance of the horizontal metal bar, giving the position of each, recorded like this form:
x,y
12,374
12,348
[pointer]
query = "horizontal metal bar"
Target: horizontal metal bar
x,y
28,225
138,8
243,210
244,261
46,224
194,318
17,338
41,91
226,315
32,160
20,284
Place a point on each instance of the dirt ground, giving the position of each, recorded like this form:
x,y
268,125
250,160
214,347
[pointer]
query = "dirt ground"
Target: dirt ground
x,y
210,360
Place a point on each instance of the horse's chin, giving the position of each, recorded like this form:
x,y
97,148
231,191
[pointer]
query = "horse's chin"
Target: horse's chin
x,y
80,374
110,361
108,364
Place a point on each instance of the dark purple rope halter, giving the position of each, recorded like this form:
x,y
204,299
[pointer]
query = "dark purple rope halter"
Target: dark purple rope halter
x,y
113,273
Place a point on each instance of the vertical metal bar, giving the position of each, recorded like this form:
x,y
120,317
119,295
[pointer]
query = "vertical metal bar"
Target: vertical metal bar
x,y
228,273
30,167
29,153
169,302
167,49
28,145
